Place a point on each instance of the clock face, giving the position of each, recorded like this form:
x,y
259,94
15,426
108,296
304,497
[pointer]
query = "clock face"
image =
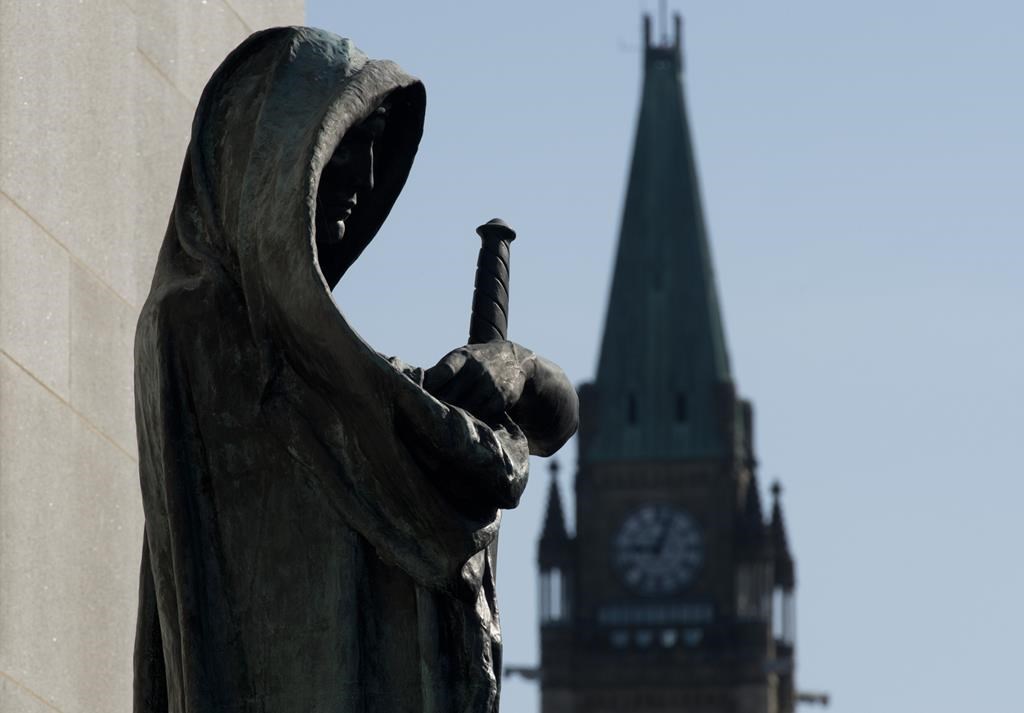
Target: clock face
x,y
658,550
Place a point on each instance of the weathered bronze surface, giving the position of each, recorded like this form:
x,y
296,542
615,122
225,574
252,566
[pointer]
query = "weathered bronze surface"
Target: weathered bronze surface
x,y
317,516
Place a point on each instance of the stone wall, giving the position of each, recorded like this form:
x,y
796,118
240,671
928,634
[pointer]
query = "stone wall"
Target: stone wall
x,y
96,100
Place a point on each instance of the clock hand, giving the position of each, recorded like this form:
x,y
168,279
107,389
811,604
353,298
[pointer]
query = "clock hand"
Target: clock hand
x,y
654,545
663,535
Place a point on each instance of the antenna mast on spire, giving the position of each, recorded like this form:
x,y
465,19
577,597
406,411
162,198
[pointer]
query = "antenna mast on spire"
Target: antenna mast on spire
x,y
663,21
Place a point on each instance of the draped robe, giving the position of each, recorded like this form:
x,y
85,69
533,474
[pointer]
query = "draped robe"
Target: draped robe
x,y
317,524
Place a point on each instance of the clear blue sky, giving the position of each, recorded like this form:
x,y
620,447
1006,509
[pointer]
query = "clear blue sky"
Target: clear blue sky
x,y
863,177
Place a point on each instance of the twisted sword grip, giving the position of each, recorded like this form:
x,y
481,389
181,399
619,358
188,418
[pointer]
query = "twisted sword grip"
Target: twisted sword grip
x,y
489,317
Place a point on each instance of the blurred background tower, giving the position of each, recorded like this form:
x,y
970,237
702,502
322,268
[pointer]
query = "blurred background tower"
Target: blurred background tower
x,y
675,594
96,103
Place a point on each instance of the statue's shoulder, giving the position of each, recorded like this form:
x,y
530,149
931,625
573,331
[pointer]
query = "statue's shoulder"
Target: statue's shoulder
x,y
185,307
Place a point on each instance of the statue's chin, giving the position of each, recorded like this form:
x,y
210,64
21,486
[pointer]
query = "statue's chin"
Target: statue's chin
x,y
330,233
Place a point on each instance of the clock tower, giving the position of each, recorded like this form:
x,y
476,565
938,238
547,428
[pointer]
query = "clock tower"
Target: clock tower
x,y
676,591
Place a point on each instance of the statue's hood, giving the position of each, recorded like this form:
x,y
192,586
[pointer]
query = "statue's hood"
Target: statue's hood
x,y
268,122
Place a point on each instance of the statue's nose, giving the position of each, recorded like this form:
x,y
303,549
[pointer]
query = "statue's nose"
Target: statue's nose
x,y
364,171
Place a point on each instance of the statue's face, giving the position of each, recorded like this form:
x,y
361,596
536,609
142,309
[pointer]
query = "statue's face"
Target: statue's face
x,y
346,177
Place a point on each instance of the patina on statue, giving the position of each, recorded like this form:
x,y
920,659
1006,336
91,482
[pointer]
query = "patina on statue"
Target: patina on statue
x,y
317,516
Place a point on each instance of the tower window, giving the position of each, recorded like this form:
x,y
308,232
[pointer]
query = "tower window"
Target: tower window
x,y
682,412
631,409
556,595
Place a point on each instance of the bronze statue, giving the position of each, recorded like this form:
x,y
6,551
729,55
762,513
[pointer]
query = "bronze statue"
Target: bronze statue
x,y
318,517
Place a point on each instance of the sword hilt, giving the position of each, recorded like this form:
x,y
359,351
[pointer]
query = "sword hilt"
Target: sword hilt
x,y
488,321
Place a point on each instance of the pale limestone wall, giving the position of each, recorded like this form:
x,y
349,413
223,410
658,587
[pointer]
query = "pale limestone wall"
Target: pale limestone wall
x,y
96,98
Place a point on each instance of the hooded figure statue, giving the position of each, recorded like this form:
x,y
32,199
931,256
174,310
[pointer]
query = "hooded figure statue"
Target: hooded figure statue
x,y
317,516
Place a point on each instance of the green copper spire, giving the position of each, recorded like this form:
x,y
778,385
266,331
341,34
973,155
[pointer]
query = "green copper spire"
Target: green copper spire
x,y
663,359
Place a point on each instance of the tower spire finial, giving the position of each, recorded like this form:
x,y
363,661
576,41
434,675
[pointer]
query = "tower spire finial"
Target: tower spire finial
x,y
663,21
677,22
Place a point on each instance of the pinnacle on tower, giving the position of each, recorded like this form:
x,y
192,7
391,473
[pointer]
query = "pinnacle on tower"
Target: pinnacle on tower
x,y
751,522
785,571
554,518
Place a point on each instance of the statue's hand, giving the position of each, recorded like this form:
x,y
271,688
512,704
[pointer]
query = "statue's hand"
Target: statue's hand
x,y
491,379
548,408
485,379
